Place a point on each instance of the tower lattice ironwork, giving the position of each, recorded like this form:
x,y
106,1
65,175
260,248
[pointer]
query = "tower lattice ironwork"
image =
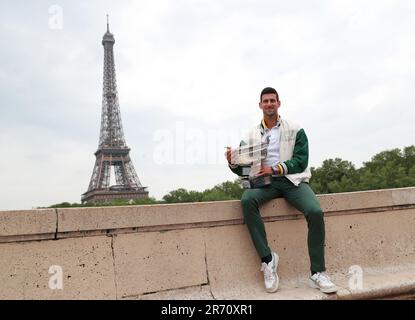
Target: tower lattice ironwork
x,y
112,150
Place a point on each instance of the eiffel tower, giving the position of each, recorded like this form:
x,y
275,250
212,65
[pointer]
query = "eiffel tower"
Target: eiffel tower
x,y
112,150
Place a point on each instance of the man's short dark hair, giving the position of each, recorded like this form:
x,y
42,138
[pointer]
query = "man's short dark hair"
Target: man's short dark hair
x,y
269,90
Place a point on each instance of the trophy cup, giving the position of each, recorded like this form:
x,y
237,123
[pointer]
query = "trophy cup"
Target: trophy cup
x,y
249,157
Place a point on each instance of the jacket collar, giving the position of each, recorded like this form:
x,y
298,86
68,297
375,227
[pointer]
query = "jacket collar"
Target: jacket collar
x,y
263,126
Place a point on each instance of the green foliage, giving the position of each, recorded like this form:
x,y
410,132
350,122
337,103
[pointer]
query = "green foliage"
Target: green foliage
x,y
225,191
63,205
334,176
387,169
182,195
115,202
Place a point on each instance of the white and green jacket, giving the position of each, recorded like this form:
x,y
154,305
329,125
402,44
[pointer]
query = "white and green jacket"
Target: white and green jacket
x,y
293,150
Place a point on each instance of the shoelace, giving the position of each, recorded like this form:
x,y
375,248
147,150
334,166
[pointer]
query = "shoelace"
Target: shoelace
x,y
322,278
267,272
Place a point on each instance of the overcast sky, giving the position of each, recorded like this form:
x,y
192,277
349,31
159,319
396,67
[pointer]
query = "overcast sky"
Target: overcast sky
x,y
189,74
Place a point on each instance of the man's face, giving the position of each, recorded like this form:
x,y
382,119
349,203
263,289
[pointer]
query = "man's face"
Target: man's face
x,y
269,104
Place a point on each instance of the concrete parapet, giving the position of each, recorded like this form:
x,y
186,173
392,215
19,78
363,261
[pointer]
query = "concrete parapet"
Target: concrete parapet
x,y
155,261
203,250
86,265
27,225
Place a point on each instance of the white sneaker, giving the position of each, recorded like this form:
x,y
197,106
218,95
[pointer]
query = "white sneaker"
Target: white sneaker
x,y
321,281
271,279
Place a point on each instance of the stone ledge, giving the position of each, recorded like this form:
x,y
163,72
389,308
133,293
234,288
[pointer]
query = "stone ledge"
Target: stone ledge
x,y
201,292
86,265
172,216
387,283
41,224
216,259
79,222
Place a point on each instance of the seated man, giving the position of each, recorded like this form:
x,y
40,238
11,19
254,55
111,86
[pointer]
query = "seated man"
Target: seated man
x,y
286,166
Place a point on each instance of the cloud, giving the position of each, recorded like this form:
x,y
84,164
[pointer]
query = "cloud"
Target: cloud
x,y
344,70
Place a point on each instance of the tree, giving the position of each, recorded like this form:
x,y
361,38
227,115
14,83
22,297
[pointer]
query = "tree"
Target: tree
x,y
387,169
335,175
225,191
182,195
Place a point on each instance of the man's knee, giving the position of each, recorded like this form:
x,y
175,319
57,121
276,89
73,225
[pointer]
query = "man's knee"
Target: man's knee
x,y
248,199
314,213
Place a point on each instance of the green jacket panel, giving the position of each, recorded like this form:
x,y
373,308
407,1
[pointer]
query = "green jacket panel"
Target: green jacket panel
x,y
299,161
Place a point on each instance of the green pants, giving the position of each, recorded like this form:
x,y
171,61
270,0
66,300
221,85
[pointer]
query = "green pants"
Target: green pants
x,y
303,199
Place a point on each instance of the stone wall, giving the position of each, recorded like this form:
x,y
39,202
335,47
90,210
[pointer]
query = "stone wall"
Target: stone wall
x,y
203,250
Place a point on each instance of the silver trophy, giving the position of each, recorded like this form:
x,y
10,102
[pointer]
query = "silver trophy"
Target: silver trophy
x,y
249,157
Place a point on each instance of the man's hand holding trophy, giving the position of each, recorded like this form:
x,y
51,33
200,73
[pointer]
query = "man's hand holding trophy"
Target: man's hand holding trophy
x,y
249,157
